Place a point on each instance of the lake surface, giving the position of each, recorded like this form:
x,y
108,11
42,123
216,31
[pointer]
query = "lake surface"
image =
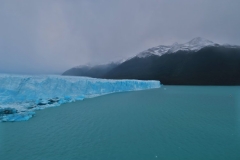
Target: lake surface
x,y
173,122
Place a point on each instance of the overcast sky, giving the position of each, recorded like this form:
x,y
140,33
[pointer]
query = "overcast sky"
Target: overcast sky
x,y
50,36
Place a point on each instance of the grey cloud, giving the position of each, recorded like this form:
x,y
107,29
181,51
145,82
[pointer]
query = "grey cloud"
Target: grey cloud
x,y
50,36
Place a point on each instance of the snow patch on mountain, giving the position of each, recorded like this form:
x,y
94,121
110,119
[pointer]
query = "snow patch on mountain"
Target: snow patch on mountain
x,y
194,45
159,50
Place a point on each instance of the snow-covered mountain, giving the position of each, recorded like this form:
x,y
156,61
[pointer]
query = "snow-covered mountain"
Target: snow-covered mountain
x,y
194,45
197,62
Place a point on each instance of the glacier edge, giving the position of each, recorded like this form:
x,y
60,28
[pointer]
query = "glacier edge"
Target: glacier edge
x,y
21,96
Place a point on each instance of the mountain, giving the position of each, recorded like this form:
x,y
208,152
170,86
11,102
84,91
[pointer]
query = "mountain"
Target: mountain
x,y
194,45
96,71
197,62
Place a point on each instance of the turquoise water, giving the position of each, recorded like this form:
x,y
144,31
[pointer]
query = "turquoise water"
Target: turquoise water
x,y
173,122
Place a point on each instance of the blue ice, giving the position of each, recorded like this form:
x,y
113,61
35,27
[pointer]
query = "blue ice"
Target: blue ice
x,y
21,95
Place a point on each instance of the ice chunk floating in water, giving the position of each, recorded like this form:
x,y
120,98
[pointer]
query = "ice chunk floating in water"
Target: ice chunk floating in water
x,y
20,96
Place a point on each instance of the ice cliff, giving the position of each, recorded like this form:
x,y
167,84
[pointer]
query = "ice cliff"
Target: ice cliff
x,y
20,95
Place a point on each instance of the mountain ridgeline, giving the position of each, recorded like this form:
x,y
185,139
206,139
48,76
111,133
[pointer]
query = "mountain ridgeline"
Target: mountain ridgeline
x,y
198,62
91,71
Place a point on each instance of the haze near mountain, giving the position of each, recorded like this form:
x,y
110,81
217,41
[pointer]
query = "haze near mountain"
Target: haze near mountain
x,y
50,36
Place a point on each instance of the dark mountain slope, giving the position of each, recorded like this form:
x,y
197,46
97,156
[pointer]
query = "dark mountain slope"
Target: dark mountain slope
x,y
91,71
208,66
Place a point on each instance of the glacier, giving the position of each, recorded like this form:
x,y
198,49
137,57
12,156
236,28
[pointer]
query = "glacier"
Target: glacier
x,y
21,96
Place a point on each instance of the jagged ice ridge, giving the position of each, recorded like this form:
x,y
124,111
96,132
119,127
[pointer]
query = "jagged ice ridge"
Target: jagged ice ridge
x,y
20,95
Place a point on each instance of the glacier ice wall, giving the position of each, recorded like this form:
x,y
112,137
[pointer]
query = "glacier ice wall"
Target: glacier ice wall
x,y
20,95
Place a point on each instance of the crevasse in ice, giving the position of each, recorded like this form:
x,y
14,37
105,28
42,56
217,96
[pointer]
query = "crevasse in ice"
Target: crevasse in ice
x,y
21,95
